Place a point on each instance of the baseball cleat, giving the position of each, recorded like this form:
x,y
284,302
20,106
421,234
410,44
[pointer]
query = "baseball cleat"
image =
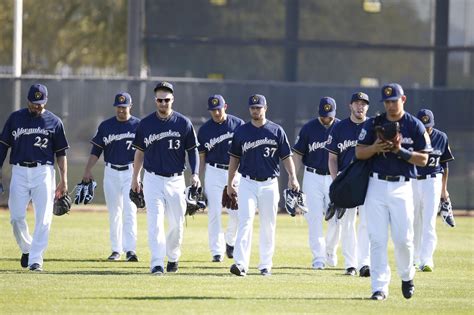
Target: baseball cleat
x,y
131,256
265,272
378,296
351,271
318,265
114,256
172,267
426,268
36,267
157,271
217,258
408,288
364,271
238,270
229,251
24,260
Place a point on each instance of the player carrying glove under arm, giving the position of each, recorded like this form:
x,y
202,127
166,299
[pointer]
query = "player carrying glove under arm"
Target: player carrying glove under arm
x,y
114,137
256,150
430,185
389,199
35,136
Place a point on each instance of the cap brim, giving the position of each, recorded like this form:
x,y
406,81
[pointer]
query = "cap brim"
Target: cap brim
x,y
215,107
123,105
257,105
393,98
163,88
40,102
330,114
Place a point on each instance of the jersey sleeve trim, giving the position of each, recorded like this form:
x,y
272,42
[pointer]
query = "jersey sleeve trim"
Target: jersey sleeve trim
x,y
97,144
333,152
234,155
296,151
285,157
3,142
137,147
62,149
447,160
191,148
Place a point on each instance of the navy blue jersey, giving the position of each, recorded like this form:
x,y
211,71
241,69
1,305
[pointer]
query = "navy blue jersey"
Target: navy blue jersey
x,y
215,139
311,143
342,141
165,142
115,139
415,138
441,154
260,149
33,139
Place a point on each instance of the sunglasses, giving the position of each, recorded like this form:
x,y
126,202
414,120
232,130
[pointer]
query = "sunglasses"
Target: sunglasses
x,y
161,100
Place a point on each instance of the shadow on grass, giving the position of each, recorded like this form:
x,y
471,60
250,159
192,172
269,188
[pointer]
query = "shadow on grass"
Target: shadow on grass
x,y
177,298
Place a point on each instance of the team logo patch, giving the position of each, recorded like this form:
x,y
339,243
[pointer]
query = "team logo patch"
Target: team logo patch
x,y
327,107
425,119
359,95
121,99
362,134
38,95
388,91
215,101
254,100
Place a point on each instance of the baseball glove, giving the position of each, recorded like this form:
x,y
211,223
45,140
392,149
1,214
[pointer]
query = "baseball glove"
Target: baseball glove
x,y
195,200
446,212
388,132
295,202
332,210
62,205
137,198
229,202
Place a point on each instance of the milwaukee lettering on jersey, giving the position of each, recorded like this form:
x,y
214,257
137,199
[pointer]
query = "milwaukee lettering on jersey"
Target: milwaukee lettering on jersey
x,y
316,145
157,137
212,142
110,138
253,144
29,131
346,144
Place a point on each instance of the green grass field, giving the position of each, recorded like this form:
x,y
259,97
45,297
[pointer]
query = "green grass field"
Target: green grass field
x,y
78,279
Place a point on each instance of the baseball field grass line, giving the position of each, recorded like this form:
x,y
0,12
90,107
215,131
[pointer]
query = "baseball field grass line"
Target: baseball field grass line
x,y
79,279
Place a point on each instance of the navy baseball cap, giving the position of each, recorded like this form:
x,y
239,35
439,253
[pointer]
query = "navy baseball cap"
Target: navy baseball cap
x,y
38,94
327,107
360,96
257,100
215,101
164,85
392,92
427,118
123,99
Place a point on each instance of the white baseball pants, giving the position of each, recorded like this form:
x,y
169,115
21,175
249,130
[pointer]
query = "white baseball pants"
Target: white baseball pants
x,y
389,204
263,196
122,211
35,184
427,193
216,179
164,195
316,188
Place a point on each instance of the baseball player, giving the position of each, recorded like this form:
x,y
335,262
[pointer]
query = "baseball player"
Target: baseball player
x,y
341,146
389,199
35,136
214,139
429,187
310,151
162,140
114,137
256,149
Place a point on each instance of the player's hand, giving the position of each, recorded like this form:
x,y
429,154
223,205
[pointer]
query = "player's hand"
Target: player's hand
x,y
381,146
231,191
61,190
444,194
293,183
87,177
135,186
195,181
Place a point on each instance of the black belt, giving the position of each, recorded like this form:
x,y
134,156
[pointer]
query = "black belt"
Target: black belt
x,y
319,172
222,166
426,176
118,167
168,174
390,178
29,164
259,179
